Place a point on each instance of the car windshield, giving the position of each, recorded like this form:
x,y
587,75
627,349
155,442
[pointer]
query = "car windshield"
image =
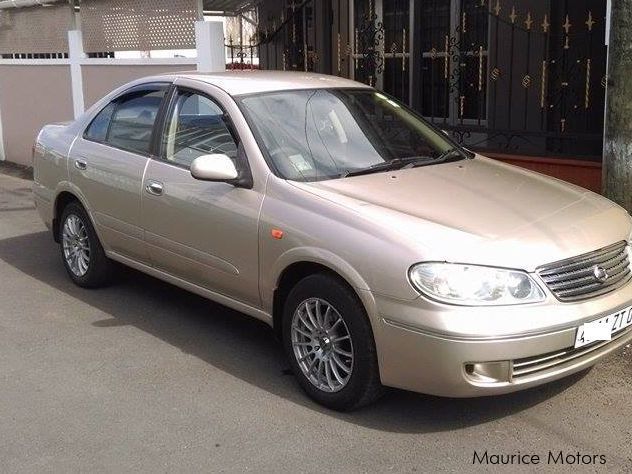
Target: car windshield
x,y
318,134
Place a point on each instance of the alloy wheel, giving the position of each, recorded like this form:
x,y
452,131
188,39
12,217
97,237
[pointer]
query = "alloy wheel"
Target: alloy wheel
x,y
76,245
322,345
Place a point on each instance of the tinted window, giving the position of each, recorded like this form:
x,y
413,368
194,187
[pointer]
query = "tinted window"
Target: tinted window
x,y
197,127
98,129
133,120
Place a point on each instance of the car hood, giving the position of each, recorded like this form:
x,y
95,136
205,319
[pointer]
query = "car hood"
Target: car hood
x,y
482,211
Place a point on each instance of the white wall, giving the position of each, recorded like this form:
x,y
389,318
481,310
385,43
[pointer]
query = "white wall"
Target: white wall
x,y
34,92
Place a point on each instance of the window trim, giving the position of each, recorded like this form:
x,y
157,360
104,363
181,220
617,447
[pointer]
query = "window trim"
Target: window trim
x,y
168,111
153,86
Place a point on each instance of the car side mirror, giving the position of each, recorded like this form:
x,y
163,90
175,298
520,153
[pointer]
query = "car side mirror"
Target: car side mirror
x,y
216,167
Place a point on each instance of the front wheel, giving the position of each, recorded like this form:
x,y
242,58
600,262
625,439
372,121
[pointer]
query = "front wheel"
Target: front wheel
x,y
81,251
329,343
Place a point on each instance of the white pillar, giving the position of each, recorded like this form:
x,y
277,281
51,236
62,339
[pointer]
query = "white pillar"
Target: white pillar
x,y
2,155
209,40
76,55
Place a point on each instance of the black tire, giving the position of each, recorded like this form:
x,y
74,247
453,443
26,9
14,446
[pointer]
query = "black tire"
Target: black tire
x,y
363,386
99,268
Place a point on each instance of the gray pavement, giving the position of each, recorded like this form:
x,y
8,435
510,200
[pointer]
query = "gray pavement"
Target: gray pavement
x,y
142,376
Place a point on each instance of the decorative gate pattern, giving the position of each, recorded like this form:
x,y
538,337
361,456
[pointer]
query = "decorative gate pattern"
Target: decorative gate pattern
x,y
381,45
294,38
518,76
513,76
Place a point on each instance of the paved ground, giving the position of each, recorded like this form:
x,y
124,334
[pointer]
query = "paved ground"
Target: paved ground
x,y
142,376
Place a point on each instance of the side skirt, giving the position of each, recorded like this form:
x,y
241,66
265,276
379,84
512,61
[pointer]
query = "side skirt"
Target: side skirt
x,y
198,290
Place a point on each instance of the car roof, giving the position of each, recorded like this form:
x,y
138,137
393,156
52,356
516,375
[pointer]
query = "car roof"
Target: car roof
x,y
253,81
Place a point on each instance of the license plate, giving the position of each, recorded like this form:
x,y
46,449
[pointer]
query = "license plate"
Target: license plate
x,y
602,329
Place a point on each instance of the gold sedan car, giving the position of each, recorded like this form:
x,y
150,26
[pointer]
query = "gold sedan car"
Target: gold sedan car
x,y
381,252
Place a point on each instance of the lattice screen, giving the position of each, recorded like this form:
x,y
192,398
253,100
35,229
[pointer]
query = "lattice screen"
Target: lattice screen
x,y
138,25
35,29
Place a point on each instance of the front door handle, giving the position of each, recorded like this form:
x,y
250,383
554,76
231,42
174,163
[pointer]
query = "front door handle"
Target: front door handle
x,y
81,164
153,187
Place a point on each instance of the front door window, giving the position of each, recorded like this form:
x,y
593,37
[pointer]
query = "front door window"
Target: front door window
x,y
198,126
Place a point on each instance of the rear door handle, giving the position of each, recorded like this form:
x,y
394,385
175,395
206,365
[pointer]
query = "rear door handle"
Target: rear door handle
x,y
153,187
81,164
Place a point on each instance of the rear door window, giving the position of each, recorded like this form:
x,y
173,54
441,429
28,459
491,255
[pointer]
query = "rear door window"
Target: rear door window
x,y
133,121
128,121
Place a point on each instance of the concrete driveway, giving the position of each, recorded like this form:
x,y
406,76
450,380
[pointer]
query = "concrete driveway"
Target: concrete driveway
x,y
142,376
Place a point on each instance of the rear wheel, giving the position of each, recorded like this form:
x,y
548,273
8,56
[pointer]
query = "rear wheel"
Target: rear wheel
x,y
329,343
81,251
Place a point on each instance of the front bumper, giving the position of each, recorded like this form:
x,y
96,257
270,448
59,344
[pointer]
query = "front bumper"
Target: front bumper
x,y
439,362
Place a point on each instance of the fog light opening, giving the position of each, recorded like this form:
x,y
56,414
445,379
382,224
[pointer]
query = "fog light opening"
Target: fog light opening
x,y
488,372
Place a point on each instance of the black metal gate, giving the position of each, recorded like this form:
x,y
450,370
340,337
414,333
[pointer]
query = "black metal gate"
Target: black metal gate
x,y
513,76
301,35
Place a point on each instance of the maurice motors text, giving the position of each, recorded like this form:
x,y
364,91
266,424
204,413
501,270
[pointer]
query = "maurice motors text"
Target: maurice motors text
x,y
551,457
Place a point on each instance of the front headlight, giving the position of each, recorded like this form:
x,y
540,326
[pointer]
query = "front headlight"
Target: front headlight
x,y
473,285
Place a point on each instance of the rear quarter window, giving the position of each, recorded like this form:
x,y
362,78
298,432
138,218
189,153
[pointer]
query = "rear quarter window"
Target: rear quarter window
x,y
98,129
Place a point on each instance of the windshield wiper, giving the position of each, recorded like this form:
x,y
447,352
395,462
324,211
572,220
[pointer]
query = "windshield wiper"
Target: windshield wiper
x,y
452,154
389,165
404,163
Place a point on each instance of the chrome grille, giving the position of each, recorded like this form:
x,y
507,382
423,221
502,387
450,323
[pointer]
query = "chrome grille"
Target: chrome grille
x,y
574,279
530,366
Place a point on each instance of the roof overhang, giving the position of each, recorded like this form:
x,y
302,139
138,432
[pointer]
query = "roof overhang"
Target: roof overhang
x,y
227,7
219,7
5,4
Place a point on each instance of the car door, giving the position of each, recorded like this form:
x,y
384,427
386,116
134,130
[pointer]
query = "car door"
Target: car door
x,y
107,164
203,232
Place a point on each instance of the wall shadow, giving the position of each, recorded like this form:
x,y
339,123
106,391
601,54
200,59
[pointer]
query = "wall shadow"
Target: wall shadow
x,y
247,348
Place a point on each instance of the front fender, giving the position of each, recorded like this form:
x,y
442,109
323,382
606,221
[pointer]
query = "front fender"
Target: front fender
x,y
322,257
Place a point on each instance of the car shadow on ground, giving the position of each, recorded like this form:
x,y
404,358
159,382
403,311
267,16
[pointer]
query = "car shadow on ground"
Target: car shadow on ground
x,y
246,348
